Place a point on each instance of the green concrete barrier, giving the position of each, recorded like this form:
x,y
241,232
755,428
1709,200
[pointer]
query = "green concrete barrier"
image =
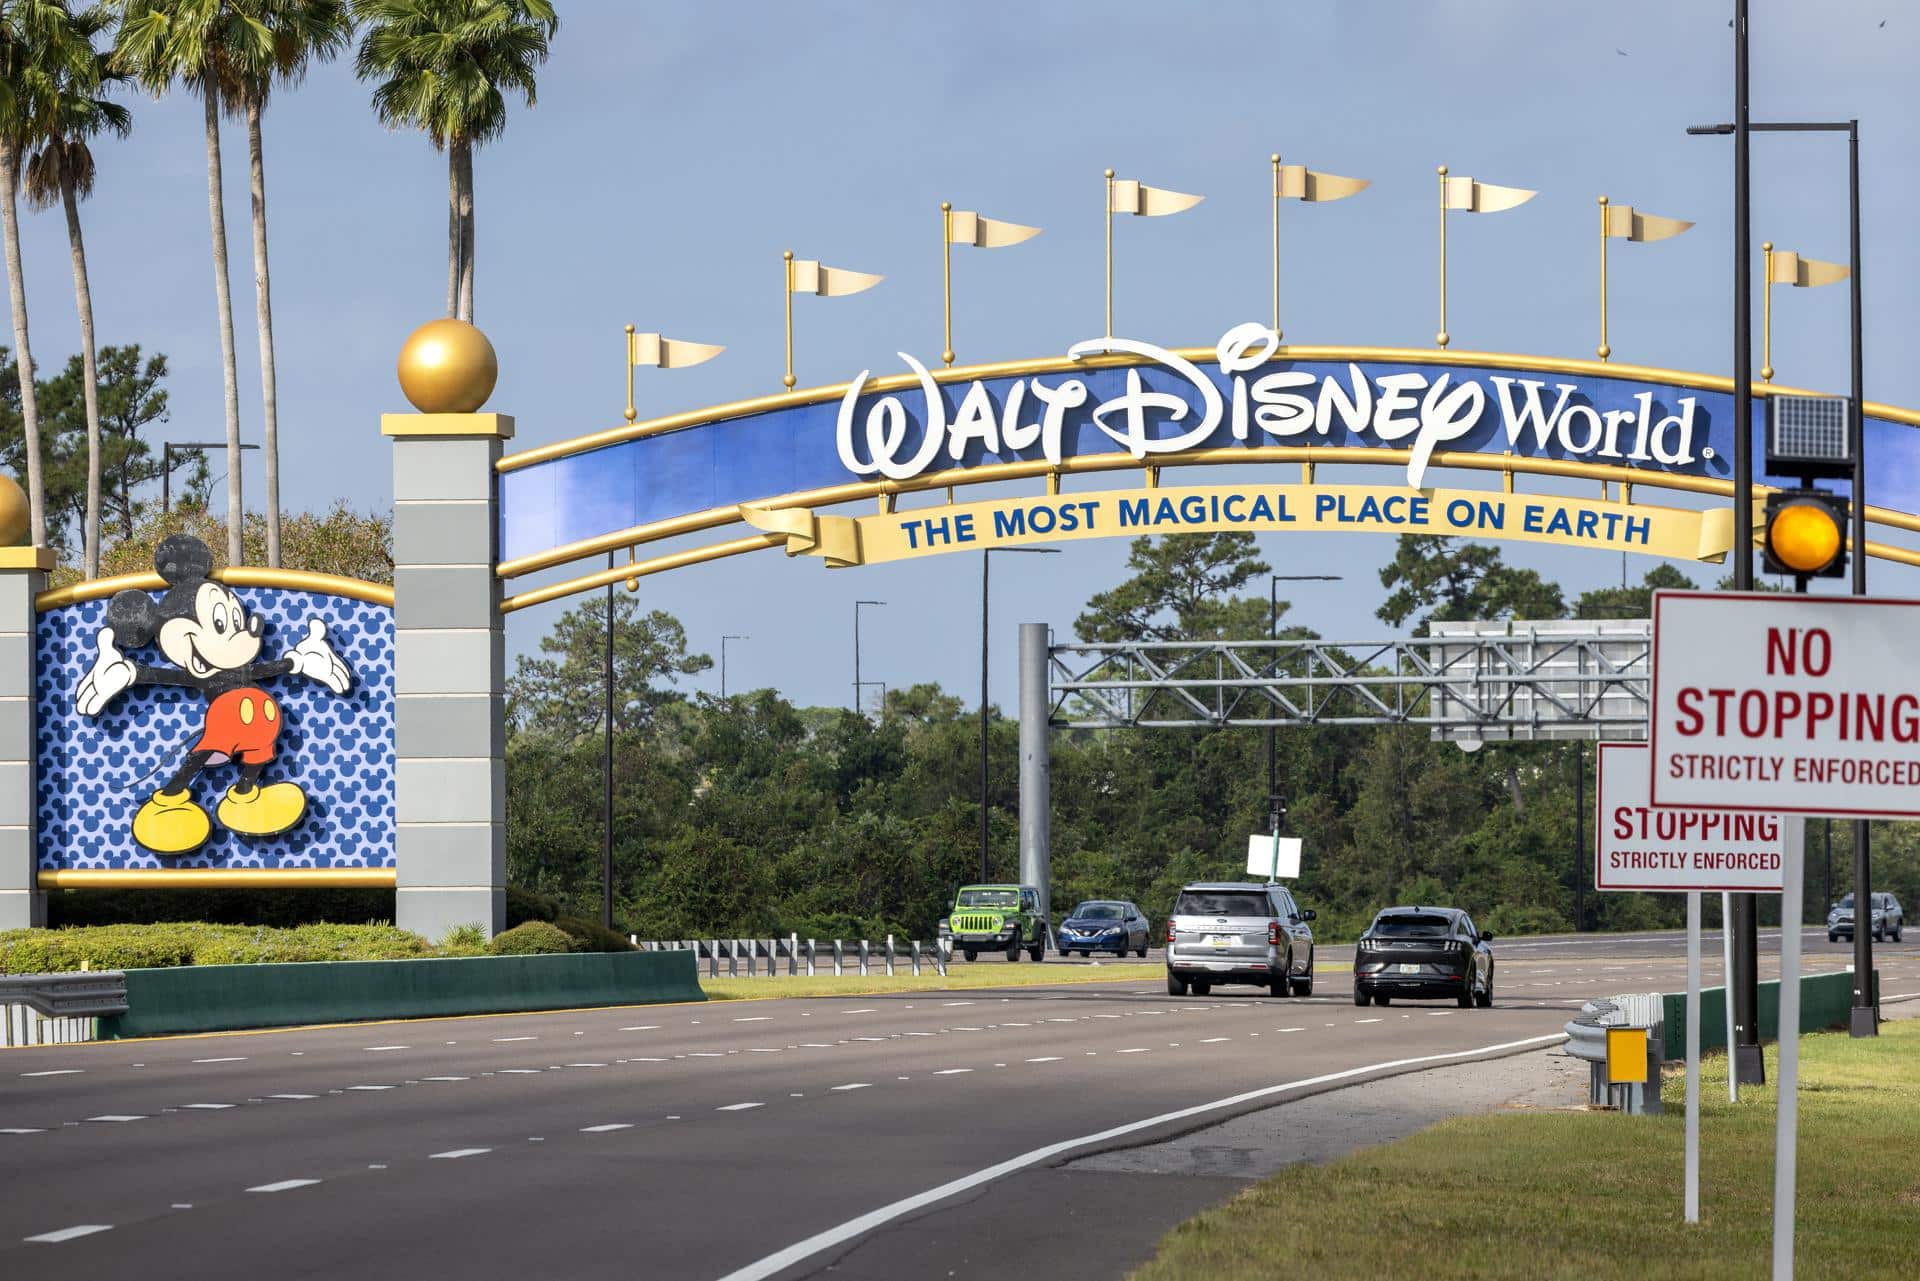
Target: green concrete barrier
x,y
221,998
1826,1000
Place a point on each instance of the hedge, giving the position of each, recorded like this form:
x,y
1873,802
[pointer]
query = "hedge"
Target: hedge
x,y
121,947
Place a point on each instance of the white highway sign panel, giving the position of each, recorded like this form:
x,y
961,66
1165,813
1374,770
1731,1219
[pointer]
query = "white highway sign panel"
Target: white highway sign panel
x,y
1638,847
1786,704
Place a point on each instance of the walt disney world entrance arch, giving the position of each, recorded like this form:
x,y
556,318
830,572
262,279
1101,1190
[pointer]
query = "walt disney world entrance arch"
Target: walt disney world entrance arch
x,y
393,724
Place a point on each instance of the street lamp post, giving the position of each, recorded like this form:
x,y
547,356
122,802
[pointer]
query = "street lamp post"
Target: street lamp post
x,y
1274,810
723,660
986,559
1748,1064
857,683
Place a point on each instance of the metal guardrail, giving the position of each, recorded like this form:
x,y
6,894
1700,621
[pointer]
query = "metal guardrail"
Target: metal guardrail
x,y
861,956
1587,1041
54,1009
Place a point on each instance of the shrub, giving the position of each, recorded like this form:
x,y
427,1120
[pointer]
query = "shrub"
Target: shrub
x,y
465,940
525,905
591,936
123,947
531,938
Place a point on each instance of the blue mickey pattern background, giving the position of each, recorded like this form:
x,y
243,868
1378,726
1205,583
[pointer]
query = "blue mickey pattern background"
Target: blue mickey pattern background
x,y
95,772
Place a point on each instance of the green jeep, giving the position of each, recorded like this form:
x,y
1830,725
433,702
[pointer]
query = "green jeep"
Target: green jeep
x,y
999,918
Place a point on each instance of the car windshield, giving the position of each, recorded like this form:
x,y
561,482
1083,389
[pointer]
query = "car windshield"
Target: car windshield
x,y
1099,912
989,898
1410,927
1846,900
1221,903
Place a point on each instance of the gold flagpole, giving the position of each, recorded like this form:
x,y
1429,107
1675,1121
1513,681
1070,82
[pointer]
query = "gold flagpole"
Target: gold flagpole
x,y
946,279
1109,329
1275,158
1604,351
631,414
1441,337
1766,312
788,381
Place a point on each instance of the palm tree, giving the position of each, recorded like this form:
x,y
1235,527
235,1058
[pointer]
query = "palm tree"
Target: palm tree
x,y
36,48
302,31
446,67
62,171
205,43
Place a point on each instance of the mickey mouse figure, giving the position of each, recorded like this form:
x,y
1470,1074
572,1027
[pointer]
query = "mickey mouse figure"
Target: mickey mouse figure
x,y
201,626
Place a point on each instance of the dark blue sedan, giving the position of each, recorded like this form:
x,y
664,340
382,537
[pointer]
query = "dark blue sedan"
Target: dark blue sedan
x,y
1104,925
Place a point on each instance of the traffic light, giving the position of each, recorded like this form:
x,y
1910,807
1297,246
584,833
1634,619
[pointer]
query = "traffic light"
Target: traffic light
x,y
1806,533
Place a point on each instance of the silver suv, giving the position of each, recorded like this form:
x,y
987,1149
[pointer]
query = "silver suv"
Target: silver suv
x,y
1888,920
1239,933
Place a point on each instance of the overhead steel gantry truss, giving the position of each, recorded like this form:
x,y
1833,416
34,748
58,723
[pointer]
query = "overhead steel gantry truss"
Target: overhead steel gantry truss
x,y
1470,682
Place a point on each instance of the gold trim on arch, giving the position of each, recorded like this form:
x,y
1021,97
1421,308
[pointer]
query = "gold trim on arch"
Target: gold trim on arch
x,y
299,580
1196,355
200,878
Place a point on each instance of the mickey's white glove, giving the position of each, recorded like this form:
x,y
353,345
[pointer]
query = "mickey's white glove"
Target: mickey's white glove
x,y
111,673
315,659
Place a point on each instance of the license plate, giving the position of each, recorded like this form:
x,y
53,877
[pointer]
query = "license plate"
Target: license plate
x,y
1224,940
1409,969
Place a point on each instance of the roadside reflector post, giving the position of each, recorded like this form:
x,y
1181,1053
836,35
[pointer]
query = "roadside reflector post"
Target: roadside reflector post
x,y
1786,1124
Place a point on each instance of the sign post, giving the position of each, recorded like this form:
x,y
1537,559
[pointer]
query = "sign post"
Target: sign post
x,y
1639,847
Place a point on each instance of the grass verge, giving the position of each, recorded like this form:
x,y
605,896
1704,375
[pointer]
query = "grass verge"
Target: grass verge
x,y
1598,1195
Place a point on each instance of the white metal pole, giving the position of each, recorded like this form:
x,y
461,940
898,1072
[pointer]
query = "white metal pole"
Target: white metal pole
x,y
1726,988
1693,1057
1787,1123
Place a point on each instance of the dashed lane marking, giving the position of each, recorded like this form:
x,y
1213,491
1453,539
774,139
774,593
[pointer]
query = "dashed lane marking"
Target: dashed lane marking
x,y
500,1039
382,1049
1046,1058
56,1072
644,1027
755,1018
739,1107
1138,1049
952,1071
293,1096
445,1078
68,1234
1215,1040
208,1107
1366,1020
854,1085
284,1185
606,1129
233,1058
455,1154
20,1130
116,1116
369,1087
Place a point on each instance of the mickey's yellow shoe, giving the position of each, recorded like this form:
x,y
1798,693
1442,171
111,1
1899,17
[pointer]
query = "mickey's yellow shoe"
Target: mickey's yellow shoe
x,y
262,811
170,823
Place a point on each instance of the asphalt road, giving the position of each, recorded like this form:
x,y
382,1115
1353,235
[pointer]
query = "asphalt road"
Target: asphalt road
x,y
731,1139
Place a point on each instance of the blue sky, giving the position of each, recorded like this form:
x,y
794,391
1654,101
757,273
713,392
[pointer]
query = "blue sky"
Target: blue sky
x,y
678,147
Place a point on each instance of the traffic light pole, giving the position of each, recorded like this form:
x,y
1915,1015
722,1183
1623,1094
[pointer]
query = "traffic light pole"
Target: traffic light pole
x,y
1865,1020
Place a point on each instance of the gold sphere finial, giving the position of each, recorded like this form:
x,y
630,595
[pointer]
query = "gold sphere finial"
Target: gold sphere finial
x,y
1443,337
448,367
1443,171
787,381
1766,246
1766,373
1275,157
13,512
1603,200
1109,173
946,357
946,206
787,254
1603,351
629,328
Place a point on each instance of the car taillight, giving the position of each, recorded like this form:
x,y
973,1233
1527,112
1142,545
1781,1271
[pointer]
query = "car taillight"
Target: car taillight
x,y
1273,931
1170,931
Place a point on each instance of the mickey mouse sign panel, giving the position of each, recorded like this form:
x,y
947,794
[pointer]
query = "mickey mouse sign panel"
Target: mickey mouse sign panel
x,y
212,643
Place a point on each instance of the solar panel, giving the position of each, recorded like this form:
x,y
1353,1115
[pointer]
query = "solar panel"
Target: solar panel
x,y
1808,436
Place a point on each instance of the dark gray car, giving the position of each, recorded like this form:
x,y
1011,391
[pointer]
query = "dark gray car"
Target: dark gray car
x,y
1104,925
1234,932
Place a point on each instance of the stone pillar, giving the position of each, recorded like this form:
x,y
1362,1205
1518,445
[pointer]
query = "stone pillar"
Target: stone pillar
x,y
1036,767
23,575
449,672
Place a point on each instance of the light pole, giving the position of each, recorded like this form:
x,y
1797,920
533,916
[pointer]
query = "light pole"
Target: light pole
x,y
606,781
1748,1064
167,449
986,559
857,683
723,660
1274,811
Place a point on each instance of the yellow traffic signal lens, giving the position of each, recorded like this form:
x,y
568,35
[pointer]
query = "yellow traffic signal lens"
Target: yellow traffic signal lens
x,y
1804,537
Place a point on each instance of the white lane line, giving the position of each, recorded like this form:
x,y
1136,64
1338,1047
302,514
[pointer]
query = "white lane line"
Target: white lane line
x,y
1438,1014
966,1029
952,1003
1138,1049
856,1085
382,1049
116,1116
231,1058
706,1054
952,1071
68,1234
1366,1020
1046,1058
369,1087
644,1027
293,1096
649,1060
208,1107
1215,1040
445,1078
499,1039
739,1107
867,1010
456,1153
779,1261
760,1049
19,1130
755,1018
815,1045
284,1185
519,1071
606,1129
56,1072
586,1065
919,1034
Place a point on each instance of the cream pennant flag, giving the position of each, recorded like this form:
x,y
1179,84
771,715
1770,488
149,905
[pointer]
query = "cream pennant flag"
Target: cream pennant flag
x,y
1787,268
653,351
1624,222
1484,197
1297,182
969,228
809,277
1130,197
